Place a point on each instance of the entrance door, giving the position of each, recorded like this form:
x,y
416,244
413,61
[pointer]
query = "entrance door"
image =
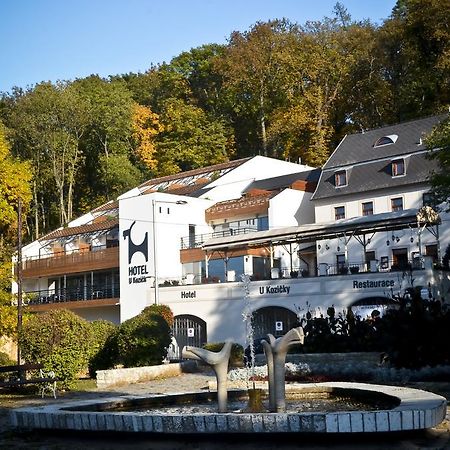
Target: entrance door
x,y
274,320
400,258
187,330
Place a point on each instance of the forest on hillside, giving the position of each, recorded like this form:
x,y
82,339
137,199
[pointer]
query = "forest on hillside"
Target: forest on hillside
x,y
280,89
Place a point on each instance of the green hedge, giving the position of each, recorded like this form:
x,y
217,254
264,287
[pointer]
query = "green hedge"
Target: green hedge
x,y
139,341
60,340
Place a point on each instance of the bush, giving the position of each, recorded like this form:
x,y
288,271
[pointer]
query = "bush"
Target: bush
x,y
143,340
236,355
163,311
60,340
102,332
5,360
139,341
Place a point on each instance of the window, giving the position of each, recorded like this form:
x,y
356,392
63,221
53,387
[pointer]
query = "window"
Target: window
x,y
339,212
396,204
431,250
367,208
340,264
370,256
398,167
386,140
340,178
428,199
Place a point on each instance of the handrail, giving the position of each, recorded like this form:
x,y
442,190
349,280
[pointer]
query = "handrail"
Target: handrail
x,y
62,295
199,239
64,252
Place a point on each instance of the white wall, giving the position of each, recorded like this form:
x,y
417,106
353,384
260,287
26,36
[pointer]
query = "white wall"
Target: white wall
x,y
171,224
231,185
290,208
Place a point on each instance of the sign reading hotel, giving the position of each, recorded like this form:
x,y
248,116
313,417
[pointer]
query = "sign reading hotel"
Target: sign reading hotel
x,y
136,273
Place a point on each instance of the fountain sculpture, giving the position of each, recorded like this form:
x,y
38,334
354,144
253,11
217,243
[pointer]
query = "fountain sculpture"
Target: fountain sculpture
x,y
275,351
218,361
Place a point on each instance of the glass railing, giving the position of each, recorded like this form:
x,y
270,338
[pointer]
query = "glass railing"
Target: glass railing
x,y
70,295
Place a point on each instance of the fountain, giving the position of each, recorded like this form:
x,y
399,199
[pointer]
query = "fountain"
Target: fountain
x,y
401,409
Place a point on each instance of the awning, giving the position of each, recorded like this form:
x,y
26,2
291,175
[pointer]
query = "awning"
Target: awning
x,y
314,232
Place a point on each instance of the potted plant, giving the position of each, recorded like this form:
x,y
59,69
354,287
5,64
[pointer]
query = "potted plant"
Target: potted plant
x,y
343,270
354,269
294,273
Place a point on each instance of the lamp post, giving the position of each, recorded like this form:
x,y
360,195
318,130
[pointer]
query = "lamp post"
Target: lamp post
x,y
155,259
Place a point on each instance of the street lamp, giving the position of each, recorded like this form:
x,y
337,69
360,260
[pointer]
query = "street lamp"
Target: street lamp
x,y
155,264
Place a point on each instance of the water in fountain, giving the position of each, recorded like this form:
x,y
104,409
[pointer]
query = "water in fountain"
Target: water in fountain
x,y
247,315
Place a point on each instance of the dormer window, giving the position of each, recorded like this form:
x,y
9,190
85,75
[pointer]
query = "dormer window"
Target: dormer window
x,y
340,178
398,167
386,140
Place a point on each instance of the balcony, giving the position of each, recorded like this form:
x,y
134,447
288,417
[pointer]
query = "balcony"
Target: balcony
x,y
76,261
86,297
323,270
198,240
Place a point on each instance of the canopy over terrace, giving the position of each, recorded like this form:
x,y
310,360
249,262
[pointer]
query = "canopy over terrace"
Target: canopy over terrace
x,y
357,227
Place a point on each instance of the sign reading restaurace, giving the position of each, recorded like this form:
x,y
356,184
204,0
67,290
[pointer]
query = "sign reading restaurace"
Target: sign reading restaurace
x,y
368,284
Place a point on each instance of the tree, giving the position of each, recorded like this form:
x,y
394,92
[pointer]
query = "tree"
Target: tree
x,y
438,142
48,123
145,128
190,139
250,70
14,185
415,44
107,139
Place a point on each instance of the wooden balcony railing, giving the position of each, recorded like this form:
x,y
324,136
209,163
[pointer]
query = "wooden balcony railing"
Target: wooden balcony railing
x,y
75,262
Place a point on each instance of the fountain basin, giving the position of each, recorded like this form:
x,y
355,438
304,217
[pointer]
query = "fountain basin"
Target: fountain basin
x,y
414,410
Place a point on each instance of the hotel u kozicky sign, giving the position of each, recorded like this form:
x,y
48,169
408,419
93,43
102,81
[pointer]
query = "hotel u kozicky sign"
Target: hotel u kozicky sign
x,y
136,273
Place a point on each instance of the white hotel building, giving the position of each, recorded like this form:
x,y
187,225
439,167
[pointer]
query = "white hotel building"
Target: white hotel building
x,y
344,236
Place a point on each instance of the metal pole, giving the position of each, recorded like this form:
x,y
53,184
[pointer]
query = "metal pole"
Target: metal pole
x,y
155,270
19,280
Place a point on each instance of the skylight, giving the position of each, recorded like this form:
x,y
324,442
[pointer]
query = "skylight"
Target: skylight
x,y
386,140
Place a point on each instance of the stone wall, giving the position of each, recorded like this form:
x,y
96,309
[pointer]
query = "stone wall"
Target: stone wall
x,y
137,374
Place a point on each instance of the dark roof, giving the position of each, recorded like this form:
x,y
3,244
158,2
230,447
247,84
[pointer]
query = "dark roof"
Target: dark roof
x,y
284,181
90,228
357,148
376,175
369,168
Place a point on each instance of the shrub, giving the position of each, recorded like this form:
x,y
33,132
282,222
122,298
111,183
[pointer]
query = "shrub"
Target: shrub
x,y
59,340
143,340
5,360
163,311
102,332
236,355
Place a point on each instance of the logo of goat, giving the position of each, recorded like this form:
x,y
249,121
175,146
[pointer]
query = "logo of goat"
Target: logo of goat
x,y
136,248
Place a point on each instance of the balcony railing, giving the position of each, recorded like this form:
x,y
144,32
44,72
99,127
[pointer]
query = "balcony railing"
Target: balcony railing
x,y
100,257
87,293
199,239
301,272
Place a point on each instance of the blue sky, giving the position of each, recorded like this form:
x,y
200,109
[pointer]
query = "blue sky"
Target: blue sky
x,y
66,39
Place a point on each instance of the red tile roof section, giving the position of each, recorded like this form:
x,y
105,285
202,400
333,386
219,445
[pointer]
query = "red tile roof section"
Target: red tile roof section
x,y
191,173
82,229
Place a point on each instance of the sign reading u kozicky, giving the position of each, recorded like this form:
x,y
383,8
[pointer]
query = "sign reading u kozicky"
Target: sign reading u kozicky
x,y
136,273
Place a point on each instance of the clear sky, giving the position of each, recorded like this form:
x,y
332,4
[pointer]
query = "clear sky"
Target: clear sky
x,y
66,39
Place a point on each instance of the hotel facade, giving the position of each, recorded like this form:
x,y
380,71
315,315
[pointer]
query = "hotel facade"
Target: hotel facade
x,y
355,234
